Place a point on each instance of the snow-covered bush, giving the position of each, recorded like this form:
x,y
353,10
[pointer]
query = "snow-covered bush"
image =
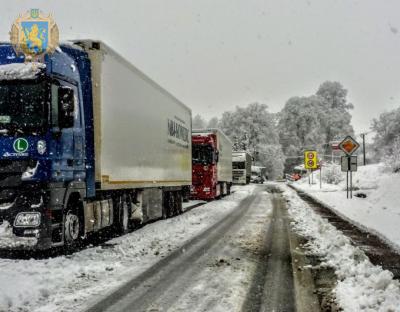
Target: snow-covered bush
x,y
332,174
392,159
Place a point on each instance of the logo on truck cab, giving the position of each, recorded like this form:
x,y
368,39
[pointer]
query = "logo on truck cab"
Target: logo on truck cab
x,y
20,145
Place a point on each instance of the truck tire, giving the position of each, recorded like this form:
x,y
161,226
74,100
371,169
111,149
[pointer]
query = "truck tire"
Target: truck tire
x,y
73,222
179,201
218,189
168,209
72,228
123,214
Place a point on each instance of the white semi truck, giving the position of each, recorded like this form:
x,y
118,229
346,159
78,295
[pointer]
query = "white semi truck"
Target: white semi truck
x,y
241,167
104,147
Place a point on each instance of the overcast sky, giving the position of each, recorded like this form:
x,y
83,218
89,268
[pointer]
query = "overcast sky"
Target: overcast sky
x,y
217,54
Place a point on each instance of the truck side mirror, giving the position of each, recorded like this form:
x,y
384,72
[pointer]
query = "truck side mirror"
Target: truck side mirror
x,y
66,107
216,156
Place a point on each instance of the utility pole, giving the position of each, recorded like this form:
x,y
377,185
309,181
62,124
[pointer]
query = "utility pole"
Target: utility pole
x,y
363,143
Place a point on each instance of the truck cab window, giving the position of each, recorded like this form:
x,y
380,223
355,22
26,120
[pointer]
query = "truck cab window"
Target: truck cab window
x,y
238,165
202,154
66,107
23,106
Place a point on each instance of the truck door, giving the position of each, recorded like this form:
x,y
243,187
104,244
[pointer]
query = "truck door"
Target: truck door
x,y
68,132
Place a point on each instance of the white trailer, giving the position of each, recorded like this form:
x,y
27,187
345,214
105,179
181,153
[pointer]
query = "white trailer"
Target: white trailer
x,y
142,135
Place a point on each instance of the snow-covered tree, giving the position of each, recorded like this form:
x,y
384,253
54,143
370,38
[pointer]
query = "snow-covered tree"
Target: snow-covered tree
x,y
253,128
337,110
311,122
213,123
198,122
302,126
387,133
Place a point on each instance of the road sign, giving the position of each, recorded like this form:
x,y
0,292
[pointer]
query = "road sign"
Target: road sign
x,y
335,145
349,163
310,160
349,145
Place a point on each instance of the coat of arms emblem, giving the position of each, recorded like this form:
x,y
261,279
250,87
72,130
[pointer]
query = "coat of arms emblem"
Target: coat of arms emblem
x,y
34,34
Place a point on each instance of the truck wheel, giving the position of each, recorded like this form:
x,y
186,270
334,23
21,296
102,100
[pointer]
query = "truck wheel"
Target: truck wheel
x,y
164,208
172,205
72,228
218,191
123,215
178,202
168,209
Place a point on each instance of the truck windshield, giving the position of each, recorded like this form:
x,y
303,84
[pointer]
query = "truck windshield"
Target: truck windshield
x,y
23,106
238,165
202,154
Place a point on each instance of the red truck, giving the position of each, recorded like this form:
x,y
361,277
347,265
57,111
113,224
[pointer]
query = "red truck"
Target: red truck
x,y
211,164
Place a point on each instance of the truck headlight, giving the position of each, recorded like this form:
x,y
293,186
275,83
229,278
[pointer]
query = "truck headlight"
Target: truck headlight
x,y
27,219
41,147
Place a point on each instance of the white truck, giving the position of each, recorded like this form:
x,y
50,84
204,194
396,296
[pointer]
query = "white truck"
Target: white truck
x,y
241,167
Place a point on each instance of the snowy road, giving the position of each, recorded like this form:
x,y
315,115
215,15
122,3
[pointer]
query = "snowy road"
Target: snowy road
x,y
242,263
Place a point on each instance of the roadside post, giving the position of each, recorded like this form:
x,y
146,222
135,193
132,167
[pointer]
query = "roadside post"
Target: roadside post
x,y
310,162
320,174
349,162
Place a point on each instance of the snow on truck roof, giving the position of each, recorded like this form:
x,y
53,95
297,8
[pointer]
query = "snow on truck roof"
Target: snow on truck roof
x,y
20,70
205,132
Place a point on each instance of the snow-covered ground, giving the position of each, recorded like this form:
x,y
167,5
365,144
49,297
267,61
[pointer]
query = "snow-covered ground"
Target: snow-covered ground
x,y
361,286
67,283
379,212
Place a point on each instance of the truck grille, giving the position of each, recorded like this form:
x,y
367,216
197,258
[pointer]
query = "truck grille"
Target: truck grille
x,y
237,174
10,178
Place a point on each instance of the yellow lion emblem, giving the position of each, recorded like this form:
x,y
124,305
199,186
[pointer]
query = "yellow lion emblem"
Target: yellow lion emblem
x,y
32,39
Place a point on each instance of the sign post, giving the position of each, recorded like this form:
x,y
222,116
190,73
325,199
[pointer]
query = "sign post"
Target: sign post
x,y
310,162
320,175
349,162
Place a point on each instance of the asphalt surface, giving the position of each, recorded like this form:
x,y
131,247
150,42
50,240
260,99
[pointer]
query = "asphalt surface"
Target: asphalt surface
x,y
242,263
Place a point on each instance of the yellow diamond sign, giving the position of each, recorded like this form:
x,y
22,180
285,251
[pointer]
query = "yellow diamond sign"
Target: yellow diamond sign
x,y
349,145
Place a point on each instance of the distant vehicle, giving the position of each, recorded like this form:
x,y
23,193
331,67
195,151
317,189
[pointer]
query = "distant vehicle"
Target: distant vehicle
x,y
241,167
87,142
298,172
258,174
211,164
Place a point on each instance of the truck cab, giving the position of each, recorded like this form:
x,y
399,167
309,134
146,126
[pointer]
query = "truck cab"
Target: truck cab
x,y
241,167
43,146
204,167
211,164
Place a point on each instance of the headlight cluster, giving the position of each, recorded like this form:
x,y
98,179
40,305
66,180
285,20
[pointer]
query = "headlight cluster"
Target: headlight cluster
x,y
27,219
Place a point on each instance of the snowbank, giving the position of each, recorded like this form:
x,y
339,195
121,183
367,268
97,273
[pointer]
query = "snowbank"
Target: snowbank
x,y
65,283
20,70
361,286
378,213
9,240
